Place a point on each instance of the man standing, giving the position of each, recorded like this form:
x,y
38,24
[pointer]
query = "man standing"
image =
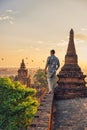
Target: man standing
x,y
51,67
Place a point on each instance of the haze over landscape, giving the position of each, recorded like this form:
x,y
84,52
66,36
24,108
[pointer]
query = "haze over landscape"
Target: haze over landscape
x,y
29,29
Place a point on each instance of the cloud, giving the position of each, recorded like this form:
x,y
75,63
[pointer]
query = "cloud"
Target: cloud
x,y
84,29
8,16
2,18
9,11
62,43
40,42
36,41
11,22
77,41
16,51
81,37
20,50
31,47
34,48
37,49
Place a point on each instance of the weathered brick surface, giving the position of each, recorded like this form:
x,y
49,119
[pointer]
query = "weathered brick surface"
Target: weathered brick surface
x,y
70,114
69,93
42,119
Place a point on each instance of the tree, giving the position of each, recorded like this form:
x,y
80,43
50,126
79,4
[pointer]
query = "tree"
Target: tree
x,y
17,105
40,78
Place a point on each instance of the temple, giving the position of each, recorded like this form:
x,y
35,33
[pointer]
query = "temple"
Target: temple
x,y
71,80
23,76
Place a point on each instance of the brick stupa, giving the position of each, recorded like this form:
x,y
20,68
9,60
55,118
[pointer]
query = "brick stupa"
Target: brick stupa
x,y
23,76
71,80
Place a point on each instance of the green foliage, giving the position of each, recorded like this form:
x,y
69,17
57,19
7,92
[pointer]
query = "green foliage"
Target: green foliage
x,y
17,105
41,79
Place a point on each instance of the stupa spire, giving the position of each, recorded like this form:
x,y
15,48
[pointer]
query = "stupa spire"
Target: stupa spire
x,y
71,37
71,57
22,64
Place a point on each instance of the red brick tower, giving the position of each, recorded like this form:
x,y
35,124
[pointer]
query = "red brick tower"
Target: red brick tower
x,y
71,81
23,76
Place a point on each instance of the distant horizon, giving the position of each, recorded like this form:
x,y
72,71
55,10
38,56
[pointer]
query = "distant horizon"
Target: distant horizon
x,y
84,69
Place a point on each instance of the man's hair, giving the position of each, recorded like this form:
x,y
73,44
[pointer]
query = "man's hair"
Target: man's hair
x,y
52,51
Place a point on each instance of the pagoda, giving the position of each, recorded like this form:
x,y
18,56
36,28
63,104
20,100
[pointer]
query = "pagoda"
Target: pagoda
x,y
71,80
23,76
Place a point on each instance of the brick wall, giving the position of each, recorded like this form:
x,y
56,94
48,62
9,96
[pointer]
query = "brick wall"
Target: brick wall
x,y
43,117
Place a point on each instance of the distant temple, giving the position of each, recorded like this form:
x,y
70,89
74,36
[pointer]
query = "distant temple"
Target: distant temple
x,y
23,76
71,81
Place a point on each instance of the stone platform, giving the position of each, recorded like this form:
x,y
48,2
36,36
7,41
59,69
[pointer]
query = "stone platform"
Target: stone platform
x,y
70,114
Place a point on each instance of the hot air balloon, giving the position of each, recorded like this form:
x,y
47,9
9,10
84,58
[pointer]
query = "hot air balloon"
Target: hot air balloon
x,y
26,58
2,59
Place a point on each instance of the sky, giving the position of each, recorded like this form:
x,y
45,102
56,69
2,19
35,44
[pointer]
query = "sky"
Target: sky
x,y
29,29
